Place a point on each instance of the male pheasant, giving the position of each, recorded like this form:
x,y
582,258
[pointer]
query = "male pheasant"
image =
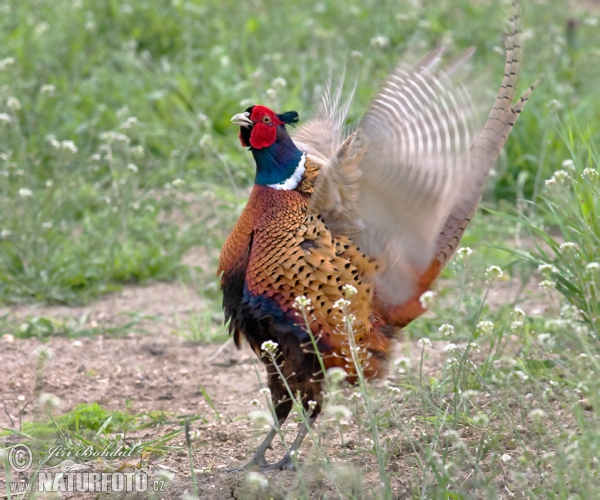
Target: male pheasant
x,y
382,210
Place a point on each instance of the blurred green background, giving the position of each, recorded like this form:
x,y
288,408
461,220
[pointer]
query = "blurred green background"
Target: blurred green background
x,y
116,153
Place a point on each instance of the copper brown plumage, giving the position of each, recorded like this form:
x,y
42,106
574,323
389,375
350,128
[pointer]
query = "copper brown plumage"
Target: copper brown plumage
x,y
382,210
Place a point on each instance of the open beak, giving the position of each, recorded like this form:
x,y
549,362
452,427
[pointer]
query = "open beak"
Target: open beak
x,y
242,120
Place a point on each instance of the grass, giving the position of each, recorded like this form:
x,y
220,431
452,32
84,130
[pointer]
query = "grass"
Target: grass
x,y
117,158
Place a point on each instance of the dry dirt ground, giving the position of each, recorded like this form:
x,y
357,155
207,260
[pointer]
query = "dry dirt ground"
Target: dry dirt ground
x,y
159,371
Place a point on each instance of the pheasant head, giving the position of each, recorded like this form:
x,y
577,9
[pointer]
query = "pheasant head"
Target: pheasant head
x,y
279,163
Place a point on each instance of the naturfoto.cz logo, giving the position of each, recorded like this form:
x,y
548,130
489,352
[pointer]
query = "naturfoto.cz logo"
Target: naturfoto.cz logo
x,y
71,476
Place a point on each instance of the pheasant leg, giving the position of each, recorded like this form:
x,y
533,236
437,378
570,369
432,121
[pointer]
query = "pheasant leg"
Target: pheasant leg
x,y
259,460
286,461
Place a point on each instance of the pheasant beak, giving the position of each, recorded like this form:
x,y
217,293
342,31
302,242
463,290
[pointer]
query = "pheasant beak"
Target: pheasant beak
x,y
242,120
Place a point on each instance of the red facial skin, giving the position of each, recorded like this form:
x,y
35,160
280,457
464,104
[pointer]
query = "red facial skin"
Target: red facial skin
x,y
264,131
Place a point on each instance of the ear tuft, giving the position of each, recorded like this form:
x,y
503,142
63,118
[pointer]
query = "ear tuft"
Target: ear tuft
x,y
289,118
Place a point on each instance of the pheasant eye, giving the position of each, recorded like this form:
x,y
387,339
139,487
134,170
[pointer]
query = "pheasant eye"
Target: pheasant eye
x,y
266,119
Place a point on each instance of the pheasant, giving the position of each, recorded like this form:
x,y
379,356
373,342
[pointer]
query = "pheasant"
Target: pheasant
x,y
382,210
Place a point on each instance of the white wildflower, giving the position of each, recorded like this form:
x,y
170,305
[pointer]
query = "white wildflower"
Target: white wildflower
x,y
481,419
269,347
13,104
568,246
518,313
149,208
515,325
6,62
246,103
256,482
554,104
547,269
137,150
47,225
493,272
590,173
129,123
424,23
178,183
53,142
340,413
537,415
261,418
336,375
380,41
593,266
450,347
312,404
279,82
403,364
424,342
547,285
302,303
69,145
5,233
4,117
25,192
568,164
206,141
545,339
523,376
48,400
255,402
265,391
132,167
271,93
446,330
112,136
356,53
341,304
427,299
485,327
464,252
561,176
550,182
48,90
506,458
591,21
349,291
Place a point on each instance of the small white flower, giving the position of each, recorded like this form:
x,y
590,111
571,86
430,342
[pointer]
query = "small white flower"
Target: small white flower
x,y
515,325
547,285
380,41
69,146
47,225
590,173
137,150
271,93
481,419
302,303
265,391
547,268
464,252
485,327
550,182
537,415
593,266
312,405
356,53
339,413
255,402
4,117
256,482
5,233
341,304
48,90
493,272
178,183
450,347
279,82
246,103
523,376
518,313
554,103
49,400
111,136
349,291
568,164
337,375
13,104
129,123
591,21
261,418
506,458
25,192
269,347
545,339
568,246
561,176
53,142
149,208
427,299
424,342
446,330
206,141
5,63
